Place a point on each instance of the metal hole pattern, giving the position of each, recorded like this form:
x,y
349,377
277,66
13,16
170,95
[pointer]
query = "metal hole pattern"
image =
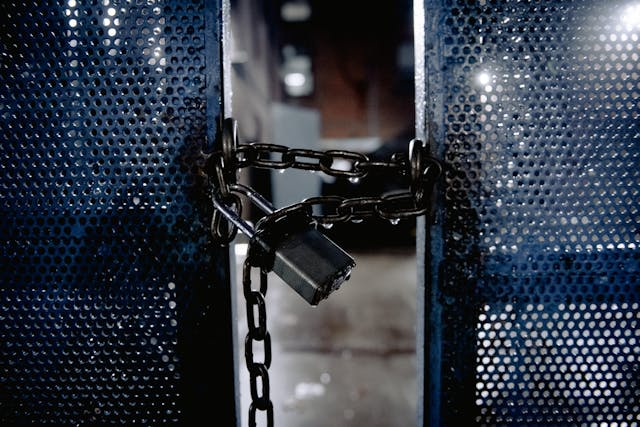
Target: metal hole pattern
x,y
103,240
541,211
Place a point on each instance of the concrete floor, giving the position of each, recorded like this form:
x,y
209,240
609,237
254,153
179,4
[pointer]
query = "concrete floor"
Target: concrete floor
x,y
350,361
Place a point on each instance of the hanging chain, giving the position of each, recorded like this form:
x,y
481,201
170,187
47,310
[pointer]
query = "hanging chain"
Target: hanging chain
x,y
258,371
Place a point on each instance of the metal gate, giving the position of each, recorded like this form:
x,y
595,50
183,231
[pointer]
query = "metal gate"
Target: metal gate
x,y
532,316
111,292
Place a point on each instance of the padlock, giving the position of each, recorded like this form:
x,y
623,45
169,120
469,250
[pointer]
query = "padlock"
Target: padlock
x,y
288,244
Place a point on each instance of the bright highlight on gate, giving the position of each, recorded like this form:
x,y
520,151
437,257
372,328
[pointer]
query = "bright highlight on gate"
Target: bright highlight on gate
x,y
484,78
631,17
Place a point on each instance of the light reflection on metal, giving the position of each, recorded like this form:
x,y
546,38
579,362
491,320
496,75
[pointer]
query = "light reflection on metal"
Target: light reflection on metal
x,y
631,17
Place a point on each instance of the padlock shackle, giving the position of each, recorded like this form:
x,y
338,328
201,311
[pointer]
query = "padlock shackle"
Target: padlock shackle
x,y
242,225
254,196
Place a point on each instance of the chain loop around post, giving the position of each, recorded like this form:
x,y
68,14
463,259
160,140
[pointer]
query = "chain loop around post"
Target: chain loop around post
x,y
257,332
229,148
416,166
424,171
222,230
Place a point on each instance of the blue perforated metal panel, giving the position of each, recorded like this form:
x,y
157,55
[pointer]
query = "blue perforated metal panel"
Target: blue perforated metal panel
x,y
111,292
535,308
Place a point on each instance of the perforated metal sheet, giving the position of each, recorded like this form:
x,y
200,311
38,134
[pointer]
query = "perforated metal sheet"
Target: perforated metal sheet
x,y
535,105
111,293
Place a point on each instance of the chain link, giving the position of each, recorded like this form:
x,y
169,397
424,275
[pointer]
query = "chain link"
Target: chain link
x,y
257,332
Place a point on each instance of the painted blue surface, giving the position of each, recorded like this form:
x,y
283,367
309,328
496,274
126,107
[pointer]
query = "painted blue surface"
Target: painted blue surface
x,y
110,286
534,265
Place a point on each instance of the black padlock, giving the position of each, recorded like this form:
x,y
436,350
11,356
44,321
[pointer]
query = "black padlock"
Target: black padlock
x,y
287,243
307,260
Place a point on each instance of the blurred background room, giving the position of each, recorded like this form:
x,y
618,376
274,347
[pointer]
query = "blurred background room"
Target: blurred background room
x,y
317,75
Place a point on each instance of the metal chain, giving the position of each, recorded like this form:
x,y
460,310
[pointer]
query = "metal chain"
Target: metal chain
x,y
258,370
337,209
328,210
279,157
223,165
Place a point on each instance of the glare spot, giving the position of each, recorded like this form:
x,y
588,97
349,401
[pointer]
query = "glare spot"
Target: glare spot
x,y
484,78
295,11
241,249
631,17
309,390
295,79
